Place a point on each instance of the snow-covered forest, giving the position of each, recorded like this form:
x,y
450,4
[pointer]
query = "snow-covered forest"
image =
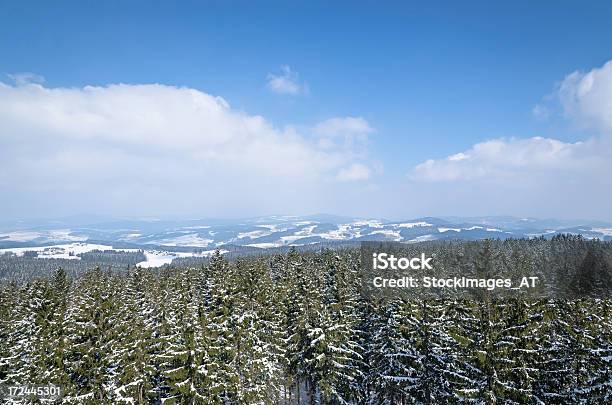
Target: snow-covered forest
x,y
295,329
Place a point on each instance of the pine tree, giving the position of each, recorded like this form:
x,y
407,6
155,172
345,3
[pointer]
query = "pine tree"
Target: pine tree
x,y
432,362
391,374
296,329
132,353
91,317
341,376
293,316
17,330
61,286
598,384
182,353
218,368
257,335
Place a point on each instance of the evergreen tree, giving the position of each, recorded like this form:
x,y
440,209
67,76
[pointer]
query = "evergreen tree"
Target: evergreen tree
x,y
90,326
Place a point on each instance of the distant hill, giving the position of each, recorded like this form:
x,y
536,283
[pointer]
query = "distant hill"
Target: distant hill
x,y
279,231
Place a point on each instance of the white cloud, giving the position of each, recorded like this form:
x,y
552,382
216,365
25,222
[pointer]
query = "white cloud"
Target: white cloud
x,y
540,169
286,83
354,172
533,176
500,159
587,97
149,147
537,177
153,119
344,126
343,131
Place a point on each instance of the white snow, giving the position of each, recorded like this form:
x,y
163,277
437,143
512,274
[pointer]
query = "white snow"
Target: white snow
x,y
271,227
422,238
300,223
129,236
372,223
62,251
395,235
547,232
156,258
411,224
302,233
442,230
20,236
605,231
253,234
51,235
191,239
343,232
65,234
265,245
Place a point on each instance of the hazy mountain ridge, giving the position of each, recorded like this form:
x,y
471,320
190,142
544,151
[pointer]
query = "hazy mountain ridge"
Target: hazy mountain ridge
x,y
276,231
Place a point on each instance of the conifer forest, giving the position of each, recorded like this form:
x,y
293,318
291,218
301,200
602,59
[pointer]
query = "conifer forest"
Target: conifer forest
x,y
294,328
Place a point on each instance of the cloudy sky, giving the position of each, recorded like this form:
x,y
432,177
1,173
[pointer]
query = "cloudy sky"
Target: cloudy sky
x,y
236,109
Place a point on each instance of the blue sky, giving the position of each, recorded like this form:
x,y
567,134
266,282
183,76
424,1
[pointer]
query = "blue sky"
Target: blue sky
x,y
432,79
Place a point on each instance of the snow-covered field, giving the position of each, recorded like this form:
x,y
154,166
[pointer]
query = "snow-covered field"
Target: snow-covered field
x,y
191,239
70,251
275,231
41,236
62,251
156,258
605,231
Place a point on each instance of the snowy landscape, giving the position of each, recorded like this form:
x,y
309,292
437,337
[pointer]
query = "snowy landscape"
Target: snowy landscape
x,y
165,240
289,328
305,202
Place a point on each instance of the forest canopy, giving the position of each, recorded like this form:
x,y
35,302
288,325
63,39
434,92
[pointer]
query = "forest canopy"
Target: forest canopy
x,y
275,328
